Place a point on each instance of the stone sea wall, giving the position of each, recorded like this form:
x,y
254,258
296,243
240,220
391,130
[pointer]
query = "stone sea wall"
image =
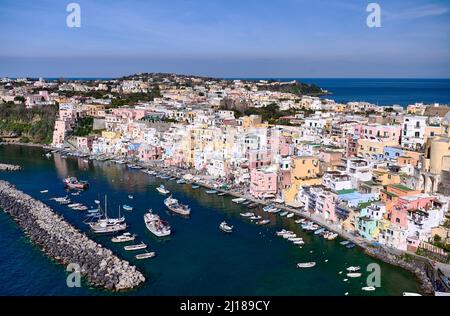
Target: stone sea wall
x,y
65,244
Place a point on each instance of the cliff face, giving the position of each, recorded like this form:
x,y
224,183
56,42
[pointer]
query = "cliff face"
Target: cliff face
x,y
24,125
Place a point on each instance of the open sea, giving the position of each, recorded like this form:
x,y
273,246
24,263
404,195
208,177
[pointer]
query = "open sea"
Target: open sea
x,y
198,259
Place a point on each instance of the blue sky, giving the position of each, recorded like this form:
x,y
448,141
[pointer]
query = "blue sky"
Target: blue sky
x,y
227,38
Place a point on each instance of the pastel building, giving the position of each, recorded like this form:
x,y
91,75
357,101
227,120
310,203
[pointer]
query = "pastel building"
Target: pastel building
x,y
263,182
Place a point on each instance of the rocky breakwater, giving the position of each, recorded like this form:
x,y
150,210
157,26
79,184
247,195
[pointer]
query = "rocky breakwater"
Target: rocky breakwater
x,y
65,244
6,167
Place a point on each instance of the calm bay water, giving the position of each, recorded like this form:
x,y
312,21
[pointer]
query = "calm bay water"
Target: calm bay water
x,y
385,92
196,260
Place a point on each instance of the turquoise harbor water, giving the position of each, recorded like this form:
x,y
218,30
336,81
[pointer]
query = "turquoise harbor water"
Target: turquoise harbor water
x,y
196,260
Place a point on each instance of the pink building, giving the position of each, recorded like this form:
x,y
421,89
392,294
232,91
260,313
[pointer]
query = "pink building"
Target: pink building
x,y
263,183
131,114
406,204
150,153
259,158
385,132
85,143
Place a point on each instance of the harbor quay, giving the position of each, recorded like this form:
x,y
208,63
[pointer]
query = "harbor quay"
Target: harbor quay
x,y
66,245
423,269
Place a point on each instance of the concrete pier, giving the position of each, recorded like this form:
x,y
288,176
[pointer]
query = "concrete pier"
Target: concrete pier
x,y
65,244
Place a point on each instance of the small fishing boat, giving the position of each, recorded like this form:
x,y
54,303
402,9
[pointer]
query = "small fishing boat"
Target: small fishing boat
x,y
283,232
350,246
211,192
43,191
172,179
275,210
195,186
146,255
354,275
300,242
135,247
368,288
248,214
282,214
75,184
76,193
247,203
353,269
155,225
222,194
130,197
94,211
332,236
123,238
225,227
238,200
344,243
181,181
97,202
263,222
176,207
127,208
256,218
48,155
411,294
268,208
162,189
300,221
290,215
306,265
319,231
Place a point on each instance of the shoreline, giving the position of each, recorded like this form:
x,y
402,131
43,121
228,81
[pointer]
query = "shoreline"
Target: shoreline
x,y
66,245
389,256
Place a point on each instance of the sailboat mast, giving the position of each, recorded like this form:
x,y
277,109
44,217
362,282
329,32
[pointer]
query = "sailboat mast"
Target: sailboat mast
x,y
106,207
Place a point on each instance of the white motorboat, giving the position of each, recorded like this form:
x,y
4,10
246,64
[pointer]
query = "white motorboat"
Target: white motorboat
x,y
44,191
353,269
263,222
135,247
123,238
248,214
162,189
354,275
300,221
225,227
238,200
368,288
411,294
290,215
283,232
256,217
146,255
283,214
130,197
156,226
176,207
127,208
306,265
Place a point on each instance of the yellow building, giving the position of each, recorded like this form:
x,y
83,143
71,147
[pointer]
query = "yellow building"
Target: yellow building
x,y
110,135
386,177
371,148
304,172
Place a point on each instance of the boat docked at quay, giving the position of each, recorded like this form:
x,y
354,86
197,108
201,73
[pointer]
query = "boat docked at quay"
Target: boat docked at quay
x,y
247,214
263,222
156,226
176,207
225,227
238,200
73,183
